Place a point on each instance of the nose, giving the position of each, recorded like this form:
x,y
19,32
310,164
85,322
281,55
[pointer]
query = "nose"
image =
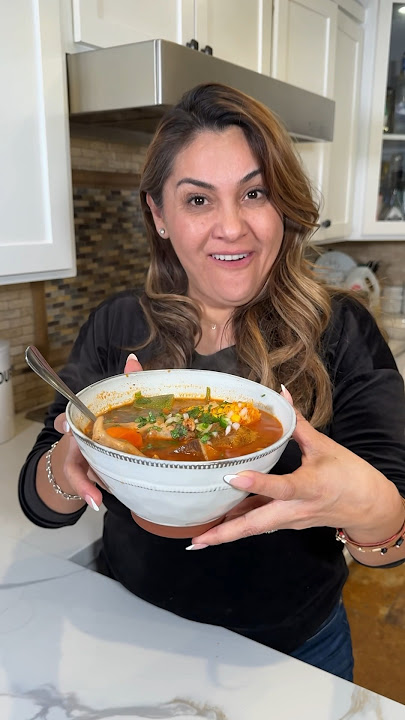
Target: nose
x,y
229,224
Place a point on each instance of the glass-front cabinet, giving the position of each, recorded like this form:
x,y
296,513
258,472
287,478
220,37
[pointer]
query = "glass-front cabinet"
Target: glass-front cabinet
x,y
385,182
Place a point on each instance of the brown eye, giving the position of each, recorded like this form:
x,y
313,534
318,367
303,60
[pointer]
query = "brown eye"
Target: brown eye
x,y
197,200
256,194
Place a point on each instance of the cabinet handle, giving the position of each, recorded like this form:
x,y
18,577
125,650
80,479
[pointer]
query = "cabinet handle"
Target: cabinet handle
x,y
207,50
326,224
193,44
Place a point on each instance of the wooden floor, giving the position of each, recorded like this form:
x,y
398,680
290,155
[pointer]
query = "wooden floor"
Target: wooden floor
x,y
375,604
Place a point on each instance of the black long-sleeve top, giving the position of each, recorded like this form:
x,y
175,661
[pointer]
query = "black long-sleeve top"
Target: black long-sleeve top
x,y
278,588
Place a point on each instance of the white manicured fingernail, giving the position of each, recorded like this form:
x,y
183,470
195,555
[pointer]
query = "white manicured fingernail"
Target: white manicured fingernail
x,y
239,481
89,500
286,394
229,478
65,426
132,356
197,546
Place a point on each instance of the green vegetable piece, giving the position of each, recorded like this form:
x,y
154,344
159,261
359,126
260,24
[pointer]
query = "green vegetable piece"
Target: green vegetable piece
x,y
207,418
224,421
178,432
202,427
204,438
194,411
155,402
208,395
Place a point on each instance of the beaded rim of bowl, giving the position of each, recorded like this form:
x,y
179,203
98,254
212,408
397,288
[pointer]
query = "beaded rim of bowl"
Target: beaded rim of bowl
x,y
197,465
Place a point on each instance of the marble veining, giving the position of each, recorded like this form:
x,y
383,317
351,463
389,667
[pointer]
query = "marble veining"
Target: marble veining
x,y
14,585
362,701
46,699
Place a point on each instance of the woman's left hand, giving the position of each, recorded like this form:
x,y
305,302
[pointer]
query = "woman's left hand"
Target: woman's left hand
x,y
333,487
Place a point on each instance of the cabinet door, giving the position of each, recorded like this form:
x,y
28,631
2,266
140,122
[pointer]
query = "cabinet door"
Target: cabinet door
x,y
36,234
303,54
342,152
385,169
118,22
238,31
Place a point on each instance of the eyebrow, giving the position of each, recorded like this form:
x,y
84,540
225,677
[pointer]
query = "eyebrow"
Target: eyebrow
x,y
209,186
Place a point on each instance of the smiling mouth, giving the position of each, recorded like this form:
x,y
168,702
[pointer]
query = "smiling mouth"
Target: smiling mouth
x,y
230,258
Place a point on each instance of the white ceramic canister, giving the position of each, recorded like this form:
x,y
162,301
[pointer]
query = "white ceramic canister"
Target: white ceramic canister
x,y
6,394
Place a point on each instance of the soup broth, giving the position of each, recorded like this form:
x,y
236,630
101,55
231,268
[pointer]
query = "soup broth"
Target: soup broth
x,y
186,429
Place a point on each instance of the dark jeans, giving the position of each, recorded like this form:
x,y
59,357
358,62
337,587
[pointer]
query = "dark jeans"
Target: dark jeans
x,y
330,648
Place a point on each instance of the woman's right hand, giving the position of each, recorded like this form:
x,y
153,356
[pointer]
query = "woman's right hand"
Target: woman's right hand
x,y
78,477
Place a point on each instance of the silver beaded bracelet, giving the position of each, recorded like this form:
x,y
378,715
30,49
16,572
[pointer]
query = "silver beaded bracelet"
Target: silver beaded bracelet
x,y
51,478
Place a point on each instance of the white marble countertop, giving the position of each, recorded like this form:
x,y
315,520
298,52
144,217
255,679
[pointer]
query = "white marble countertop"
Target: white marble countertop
x,y
64,542
76,645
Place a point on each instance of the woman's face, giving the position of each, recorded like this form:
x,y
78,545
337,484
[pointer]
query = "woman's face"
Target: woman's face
x,y
220,222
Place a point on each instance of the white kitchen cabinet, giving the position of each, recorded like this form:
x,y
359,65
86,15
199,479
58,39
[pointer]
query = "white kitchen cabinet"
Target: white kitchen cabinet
x,y
317,46
237,30
118,22
36,235
339,185
383,174
303,54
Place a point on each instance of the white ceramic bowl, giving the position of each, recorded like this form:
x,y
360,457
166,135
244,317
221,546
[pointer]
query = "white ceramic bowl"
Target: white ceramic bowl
x,y
176,495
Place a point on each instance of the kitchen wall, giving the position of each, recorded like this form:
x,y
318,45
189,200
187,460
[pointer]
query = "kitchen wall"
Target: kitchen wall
x,y
111,255
390,254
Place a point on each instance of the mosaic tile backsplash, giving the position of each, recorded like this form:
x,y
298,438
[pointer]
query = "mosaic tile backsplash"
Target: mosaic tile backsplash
x,y
112,255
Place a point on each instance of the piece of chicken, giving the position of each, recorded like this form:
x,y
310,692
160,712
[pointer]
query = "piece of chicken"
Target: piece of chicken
x,y
100,436
157,429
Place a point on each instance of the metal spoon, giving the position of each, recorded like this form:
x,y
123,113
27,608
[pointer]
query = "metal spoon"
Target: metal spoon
x,y
39,365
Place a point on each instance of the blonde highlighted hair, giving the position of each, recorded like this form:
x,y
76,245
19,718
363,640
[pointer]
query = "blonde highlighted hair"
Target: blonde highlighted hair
x,y
277,333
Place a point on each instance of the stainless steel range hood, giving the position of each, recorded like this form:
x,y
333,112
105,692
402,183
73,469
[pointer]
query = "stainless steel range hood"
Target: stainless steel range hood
x,y
129,87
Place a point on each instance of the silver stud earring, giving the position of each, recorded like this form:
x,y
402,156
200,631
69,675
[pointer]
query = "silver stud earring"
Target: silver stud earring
x,y
162,231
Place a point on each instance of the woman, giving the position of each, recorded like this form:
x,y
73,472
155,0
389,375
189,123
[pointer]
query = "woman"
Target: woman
x,y
228,213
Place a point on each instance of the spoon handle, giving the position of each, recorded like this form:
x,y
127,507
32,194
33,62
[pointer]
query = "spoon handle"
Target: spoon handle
x,y
38,364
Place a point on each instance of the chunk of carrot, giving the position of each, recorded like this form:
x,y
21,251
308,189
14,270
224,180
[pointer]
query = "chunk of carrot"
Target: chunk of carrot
x,y
123,433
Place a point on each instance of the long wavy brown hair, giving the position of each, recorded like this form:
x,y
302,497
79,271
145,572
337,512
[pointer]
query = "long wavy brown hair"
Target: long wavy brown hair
x,y
277,333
